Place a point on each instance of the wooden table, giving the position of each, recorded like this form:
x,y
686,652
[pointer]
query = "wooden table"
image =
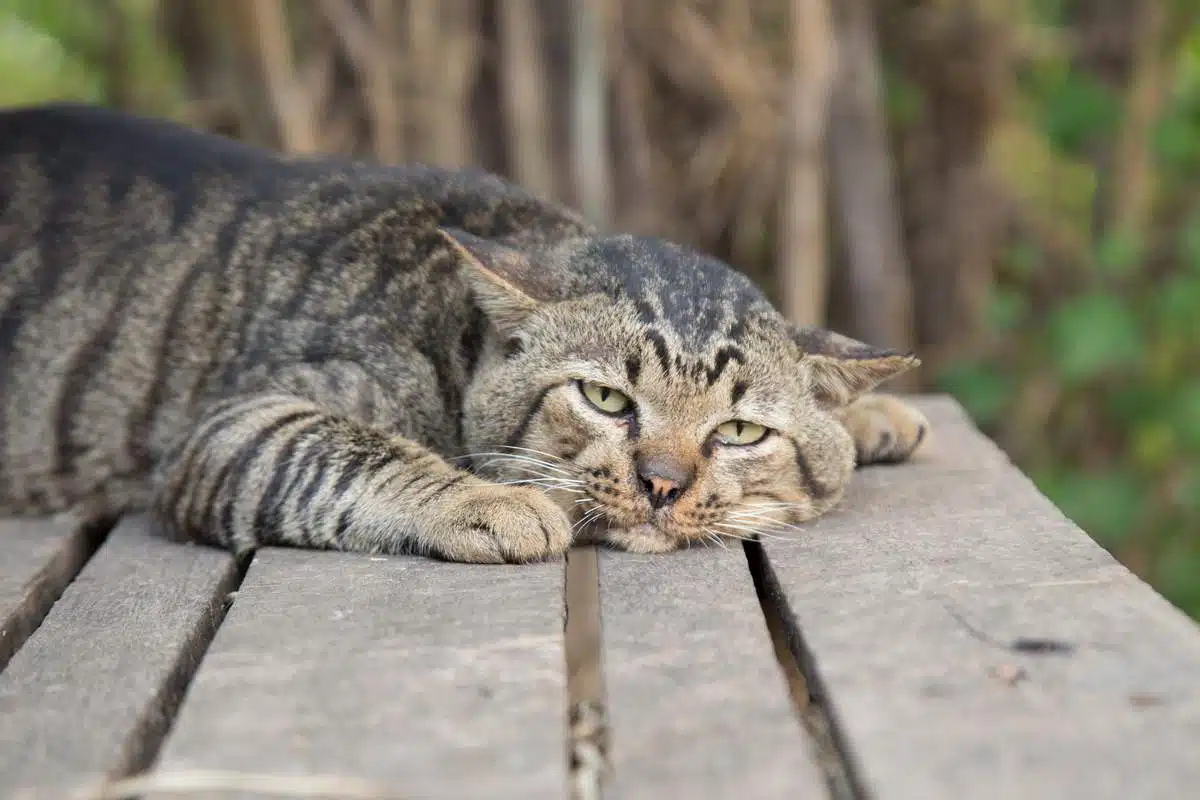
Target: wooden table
x,y
946,634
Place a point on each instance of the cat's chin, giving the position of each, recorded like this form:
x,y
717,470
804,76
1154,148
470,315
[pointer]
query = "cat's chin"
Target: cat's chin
x,y
638,539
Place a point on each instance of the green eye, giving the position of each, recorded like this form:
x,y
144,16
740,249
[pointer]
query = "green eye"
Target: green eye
x,y
738,431
605,398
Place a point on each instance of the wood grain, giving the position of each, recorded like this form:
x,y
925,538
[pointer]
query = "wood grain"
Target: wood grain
x,y
433,679
92,691
970,641
41,556
698,706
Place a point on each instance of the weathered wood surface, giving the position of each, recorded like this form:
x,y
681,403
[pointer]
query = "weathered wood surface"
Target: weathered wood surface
x,y
41,556
92,690
430,679
972,642
698,706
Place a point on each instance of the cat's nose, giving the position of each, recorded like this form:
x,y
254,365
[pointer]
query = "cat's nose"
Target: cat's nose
x,y
664,479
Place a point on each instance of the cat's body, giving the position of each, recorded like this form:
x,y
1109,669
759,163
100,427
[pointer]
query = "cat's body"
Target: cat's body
x,y
275,351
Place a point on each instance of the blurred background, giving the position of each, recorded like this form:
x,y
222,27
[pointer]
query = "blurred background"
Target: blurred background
x,y
1010,187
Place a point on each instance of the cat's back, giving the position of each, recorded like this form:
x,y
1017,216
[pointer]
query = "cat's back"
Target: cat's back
x,y
60,141
113,233
87,192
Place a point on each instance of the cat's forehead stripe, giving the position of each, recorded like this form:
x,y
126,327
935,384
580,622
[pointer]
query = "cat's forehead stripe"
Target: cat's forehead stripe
x,y
697,298
633,368
659,343
738,391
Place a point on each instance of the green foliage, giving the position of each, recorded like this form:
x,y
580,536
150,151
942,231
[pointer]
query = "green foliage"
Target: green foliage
x,y
1106,361
94,52
1107,503
1093,334
1074,109
984,390
36,60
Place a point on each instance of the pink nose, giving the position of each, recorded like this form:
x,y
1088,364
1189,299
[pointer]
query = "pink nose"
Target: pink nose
x,y
664,479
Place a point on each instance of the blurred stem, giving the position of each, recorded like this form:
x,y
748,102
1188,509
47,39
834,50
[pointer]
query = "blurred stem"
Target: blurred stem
x,y
1131,198
452,71
526,99
880,291
263,32
802,224
589,118
118,81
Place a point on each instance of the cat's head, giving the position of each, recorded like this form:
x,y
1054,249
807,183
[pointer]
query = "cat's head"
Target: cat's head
x,y
656,393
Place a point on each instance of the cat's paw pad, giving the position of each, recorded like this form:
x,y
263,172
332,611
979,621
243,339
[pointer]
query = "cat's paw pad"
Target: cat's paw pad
x,y
488,524
886,429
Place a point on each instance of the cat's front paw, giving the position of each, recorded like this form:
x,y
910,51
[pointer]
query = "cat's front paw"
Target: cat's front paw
x,y
489,524
886,429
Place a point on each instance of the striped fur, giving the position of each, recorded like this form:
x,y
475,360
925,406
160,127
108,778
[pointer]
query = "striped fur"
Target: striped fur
x,y
319,353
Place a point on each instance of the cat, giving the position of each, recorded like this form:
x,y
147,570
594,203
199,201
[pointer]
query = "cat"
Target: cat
x,y
264,350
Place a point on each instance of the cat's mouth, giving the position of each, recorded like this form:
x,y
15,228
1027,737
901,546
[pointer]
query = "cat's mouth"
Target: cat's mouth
x,y
598,519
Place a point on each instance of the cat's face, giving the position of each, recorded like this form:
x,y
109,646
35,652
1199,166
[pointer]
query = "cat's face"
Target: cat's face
x,y
654,432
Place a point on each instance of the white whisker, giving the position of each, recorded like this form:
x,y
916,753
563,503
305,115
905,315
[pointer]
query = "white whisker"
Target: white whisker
x,y
754,532
529,450
557,483
515,457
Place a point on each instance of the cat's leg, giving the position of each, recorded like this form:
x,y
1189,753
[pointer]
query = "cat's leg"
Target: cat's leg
x,y
278,469
885,429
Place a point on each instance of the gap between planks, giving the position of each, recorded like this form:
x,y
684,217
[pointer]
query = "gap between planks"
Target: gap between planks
x,y
142,740
587,721
589,735
804,684
76,544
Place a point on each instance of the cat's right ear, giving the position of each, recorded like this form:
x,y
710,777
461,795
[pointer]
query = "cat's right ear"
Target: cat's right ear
x,y
504,280
841,369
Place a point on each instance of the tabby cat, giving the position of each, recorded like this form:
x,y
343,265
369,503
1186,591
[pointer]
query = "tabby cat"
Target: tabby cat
x,y
319,353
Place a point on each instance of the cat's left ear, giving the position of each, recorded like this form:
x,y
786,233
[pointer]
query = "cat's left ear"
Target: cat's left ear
x,y
842,368
505,281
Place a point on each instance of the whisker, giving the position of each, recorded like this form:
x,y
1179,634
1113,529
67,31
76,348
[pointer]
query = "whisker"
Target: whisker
x,y
542,480
731,535
771,525
587,519
754,533
529,450
745,508
515,457
527,474
765,522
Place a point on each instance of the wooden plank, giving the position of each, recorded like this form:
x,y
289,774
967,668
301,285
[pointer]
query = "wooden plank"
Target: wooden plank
x,y
41,556
971,641
698,706
430,679
91,692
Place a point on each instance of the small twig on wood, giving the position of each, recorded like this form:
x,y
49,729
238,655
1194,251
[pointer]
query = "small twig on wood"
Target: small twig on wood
x,y
204,782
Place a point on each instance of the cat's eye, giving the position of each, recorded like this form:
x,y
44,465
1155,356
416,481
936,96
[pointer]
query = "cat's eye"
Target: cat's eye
x,y
605,398
740,432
